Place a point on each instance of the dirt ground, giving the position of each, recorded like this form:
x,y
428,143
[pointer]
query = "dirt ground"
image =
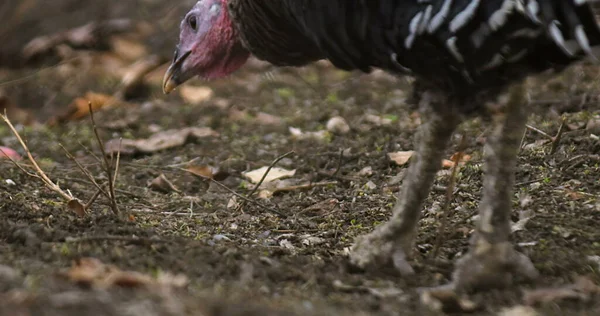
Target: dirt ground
x,y
284,254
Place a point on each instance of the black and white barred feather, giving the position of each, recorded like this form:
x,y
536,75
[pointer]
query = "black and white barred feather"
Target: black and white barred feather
x,y
458,45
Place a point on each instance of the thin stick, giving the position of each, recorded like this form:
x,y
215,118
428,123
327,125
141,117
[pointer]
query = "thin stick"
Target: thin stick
x,y
305,186
107,165
40,174
237,209
84,171
115,238
448,200
267,172
249,200
556,139
92,199
539,131
339,166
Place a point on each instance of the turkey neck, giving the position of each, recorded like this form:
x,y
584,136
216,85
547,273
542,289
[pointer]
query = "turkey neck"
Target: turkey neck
x,y
271,31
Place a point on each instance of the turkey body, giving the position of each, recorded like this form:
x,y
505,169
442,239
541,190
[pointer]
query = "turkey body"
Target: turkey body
x,y
462,47
462,53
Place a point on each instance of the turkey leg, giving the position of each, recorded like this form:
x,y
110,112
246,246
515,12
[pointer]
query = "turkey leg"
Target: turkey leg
x,y
391,242
492,260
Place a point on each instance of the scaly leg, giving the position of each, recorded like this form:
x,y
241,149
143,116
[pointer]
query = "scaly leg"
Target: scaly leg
x,y
492,260
391,242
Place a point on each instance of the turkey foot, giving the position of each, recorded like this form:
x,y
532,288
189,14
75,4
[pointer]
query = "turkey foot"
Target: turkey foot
x,y
392,241
383,248
491,266
492,261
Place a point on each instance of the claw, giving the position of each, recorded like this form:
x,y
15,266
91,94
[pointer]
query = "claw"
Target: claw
x,y
491,266
379,250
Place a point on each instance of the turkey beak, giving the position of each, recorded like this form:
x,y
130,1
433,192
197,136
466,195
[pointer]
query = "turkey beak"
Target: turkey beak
x,y
173,77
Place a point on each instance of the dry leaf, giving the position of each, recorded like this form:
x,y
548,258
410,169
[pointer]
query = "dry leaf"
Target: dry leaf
x,y
338,125
79,108
6,153
208,172
88,35
449,163
268,119
195,94
299,134
201,171
128,48
92,272
76,206
134,76
275,173
463,157
401,157
158,141
162,184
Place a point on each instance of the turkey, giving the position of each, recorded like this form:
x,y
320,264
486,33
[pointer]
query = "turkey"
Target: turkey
x,y
463,54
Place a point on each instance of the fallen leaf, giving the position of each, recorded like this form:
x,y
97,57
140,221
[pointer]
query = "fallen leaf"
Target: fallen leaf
x,y
79,108
134,76
275,173
463,157
269,119
195,94
88,35
300,135
449,163
338,125
93,273
446,164
76,206
158,141
162,184
401,157
208,172
322,207
8,153
128,48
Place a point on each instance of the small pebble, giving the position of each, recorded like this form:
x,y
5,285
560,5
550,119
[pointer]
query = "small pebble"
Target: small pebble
x,y
338,125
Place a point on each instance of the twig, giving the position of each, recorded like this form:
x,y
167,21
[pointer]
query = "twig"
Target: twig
x,y
539,131
578,160
108,165
448,199
556,139
239,207
40,174
84,171
523,140
92,199
133,240
339,166
72,202
305,186
520,184
249,200
267,172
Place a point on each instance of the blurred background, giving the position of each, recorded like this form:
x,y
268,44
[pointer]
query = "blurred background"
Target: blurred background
x,y
54,51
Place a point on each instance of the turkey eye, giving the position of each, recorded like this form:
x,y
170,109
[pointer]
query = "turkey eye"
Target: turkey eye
x,y
193,22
